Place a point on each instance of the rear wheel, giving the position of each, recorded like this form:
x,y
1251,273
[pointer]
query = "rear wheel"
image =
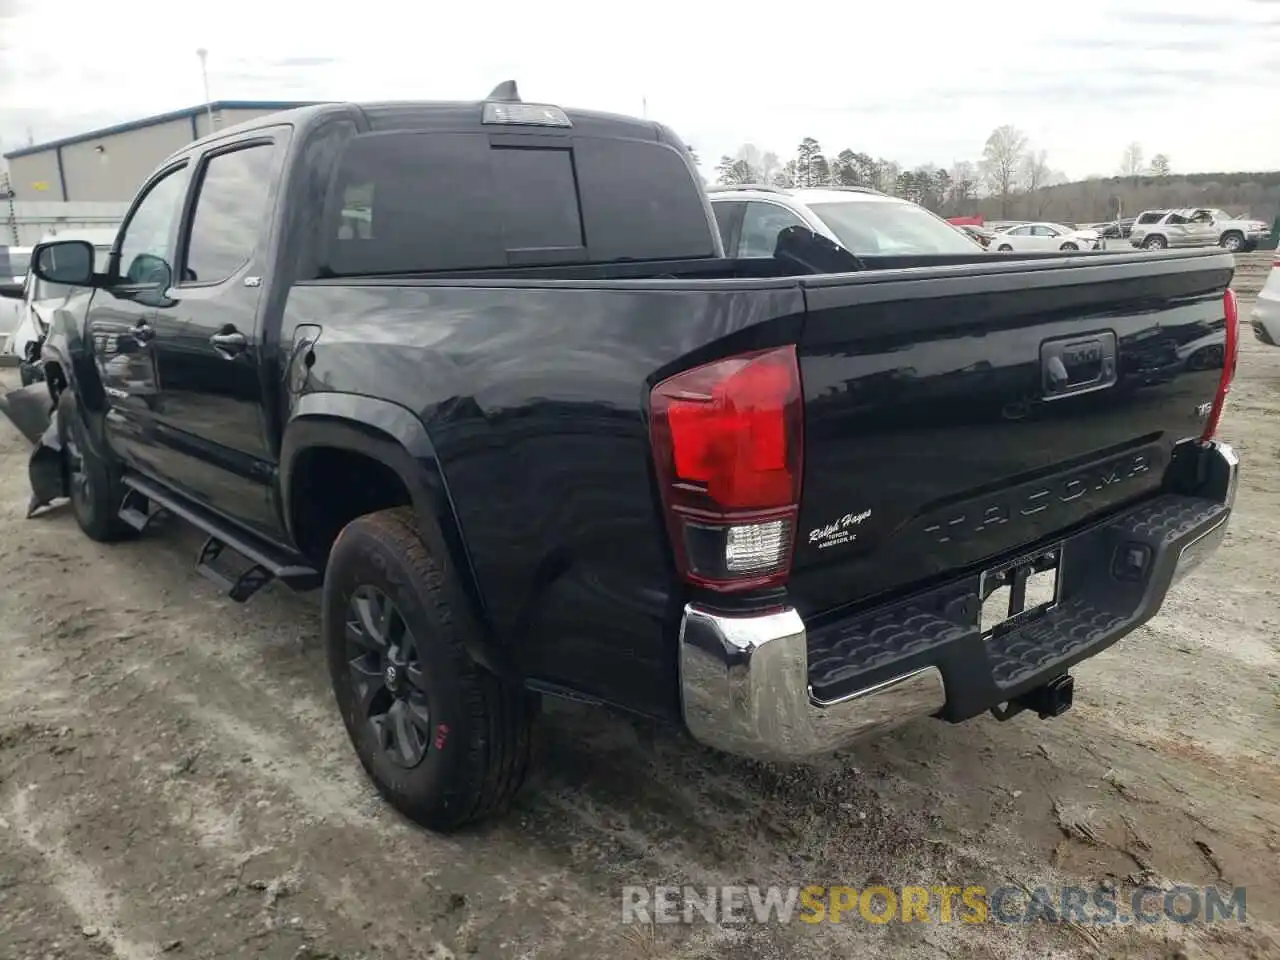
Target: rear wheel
x,y
1154,243
1070,246
93,483
1005,248
1232,240
445,741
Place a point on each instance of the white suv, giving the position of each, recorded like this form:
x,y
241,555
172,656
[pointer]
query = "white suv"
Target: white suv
x,y
1159,229
863,221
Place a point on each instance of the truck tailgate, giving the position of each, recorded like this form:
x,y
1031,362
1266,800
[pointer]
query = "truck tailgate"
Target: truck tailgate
x,y
955,415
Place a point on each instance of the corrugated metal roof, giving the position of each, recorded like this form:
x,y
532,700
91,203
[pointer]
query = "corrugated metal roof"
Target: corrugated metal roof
x,y
269,105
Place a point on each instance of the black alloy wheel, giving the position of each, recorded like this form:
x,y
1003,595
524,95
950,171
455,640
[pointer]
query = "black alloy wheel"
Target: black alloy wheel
x,y
387,677
443,738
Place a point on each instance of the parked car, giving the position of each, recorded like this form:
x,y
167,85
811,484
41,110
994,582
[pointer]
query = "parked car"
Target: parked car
x,y
40,298
1237,234
862,221
1159,229
1042,237
532,434
1265,317
14,263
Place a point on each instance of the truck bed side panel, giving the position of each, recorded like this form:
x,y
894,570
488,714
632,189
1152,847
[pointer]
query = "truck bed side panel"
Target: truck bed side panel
x,y
535,399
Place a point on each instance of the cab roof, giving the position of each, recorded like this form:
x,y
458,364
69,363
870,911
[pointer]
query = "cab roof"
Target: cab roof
x,y
450,116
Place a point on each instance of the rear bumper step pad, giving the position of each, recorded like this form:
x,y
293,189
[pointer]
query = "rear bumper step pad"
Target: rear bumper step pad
x,y
1113,578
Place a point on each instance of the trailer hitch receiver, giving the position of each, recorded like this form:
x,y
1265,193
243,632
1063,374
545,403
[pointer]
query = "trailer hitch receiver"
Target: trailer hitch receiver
x,y
1052,699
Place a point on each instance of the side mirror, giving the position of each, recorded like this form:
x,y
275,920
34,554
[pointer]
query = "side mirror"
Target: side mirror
x,y
11,290
67,262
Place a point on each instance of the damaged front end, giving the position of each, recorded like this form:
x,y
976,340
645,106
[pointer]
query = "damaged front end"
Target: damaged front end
x,y
31,410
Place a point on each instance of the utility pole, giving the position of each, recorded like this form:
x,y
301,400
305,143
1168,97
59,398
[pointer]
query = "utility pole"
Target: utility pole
x,y
203,54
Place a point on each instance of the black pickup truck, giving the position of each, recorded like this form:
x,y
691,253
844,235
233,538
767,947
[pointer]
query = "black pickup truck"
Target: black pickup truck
x,y
481,373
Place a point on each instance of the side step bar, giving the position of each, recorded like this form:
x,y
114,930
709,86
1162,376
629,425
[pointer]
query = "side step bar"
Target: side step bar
x,y
136,511
265,562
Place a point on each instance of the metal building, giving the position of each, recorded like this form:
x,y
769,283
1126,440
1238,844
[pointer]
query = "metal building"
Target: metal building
x,y
108,165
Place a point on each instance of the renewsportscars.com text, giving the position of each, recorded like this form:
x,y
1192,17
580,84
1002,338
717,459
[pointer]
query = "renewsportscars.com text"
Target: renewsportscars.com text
x,y
932,904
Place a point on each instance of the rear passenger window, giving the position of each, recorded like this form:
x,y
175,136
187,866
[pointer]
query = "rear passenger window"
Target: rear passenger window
x,y
1150,218
760,228
230,214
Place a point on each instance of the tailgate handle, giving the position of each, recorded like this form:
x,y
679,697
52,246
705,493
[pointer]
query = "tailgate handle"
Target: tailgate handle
x,y
1073,365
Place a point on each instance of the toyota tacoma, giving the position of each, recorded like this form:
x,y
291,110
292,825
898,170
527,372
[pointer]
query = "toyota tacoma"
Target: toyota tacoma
x,y
481,373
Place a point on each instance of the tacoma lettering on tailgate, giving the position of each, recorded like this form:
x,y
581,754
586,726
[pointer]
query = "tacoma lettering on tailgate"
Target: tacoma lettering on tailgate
x,y
1038,498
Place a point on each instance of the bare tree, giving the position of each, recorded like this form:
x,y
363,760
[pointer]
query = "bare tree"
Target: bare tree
x,y
1131,161
1160,166
964,186
769,166
1001,158
1035,174
749,165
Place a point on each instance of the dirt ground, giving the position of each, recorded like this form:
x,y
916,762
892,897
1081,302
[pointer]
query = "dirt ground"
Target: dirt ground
x,y
174,781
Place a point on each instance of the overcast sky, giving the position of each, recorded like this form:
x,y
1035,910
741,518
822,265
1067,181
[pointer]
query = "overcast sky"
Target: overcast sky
x,y
917,83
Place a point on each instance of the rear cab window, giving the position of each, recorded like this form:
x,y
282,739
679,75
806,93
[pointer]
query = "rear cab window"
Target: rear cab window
x,y
423,201
1151,217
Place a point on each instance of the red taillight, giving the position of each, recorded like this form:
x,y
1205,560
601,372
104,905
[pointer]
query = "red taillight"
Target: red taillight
x,y
728,444
1230,354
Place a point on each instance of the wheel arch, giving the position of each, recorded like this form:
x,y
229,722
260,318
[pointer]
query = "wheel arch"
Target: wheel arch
x,y
65,370
394,437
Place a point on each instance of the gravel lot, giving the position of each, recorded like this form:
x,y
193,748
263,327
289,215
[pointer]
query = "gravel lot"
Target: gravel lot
x,y
175,783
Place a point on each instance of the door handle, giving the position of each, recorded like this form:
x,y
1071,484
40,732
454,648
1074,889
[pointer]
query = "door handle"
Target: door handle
x,y
143,332
229,342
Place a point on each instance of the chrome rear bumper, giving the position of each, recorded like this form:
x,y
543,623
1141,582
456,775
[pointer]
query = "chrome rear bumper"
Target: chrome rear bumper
x,y
745,680
746,690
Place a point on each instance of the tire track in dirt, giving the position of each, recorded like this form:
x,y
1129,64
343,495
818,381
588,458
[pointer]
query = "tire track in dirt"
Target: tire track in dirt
x,y
95,904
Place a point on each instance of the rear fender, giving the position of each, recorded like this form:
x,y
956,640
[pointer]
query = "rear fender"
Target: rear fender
x,y
393,436
66,368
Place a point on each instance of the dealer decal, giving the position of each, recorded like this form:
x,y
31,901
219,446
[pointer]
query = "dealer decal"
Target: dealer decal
x,y
843,530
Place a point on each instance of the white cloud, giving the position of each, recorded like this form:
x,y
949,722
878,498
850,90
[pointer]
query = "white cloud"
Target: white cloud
x,y
919,84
